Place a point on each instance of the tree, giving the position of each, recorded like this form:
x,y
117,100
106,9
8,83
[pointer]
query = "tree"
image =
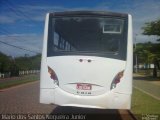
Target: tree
x,y
153,28
8,64
5,62
28,63
144,53
148,53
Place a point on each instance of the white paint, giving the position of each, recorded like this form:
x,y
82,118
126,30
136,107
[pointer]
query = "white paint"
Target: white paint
x,y
100,73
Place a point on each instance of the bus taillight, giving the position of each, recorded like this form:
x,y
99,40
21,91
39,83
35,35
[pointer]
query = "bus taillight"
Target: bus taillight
x,y
116,80
53,75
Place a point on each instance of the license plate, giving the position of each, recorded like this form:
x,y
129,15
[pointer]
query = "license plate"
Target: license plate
x,y
82,86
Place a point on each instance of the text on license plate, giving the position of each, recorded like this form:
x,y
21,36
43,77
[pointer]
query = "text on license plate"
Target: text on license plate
x,y
82,86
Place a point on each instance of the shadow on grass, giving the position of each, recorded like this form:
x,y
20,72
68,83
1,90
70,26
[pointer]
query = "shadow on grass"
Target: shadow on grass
x,y
146,78
86,113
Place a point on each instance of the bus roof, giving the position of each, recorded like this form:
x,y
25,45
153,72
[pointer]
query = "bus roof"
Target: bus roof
x,y
96,13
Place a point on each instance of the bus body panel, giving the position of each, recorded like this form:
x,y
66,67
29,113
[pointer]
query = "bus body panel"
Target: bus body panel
x,y
110,100
117,98
126,82
99,73
43,71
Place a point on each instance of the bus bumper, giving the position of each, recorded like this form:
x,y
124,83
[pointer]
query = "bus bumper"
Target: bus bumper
x,y
109,100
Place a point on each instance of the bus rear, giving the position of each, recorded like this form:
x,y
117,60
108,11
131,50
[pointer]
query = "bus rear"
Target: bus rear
x,y
87,60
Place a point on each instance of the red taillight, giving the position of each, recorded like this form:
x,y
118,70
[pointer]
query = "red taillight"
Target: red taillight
x,y
53,75
118,77
116,80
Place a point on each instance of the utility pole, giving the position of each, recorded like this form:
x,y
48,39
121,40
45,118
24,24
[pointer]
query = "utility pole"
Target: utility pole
x,y
136,54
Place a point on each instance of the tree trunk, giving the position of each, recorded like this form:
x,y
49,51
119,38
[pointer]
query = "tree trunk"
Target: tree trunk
x,y
155,71
156,66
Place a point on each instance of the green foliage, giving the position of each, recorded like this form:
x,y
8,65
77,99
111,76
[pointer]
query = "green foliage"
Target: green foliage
x,y
152,55
8,64
147,52
4,62
28,63
152,28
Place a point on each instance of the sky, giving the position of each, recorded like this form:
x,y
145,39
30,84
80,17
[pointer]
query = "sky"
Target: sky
x,y
22,21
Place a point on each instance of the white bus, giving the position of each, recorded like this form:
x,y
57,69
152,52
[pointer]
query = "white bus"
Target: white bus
x,y
87,60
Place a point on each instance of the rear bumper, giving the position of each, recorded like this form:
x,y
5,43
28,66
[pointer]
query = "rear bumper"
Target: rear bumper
x,y
109,100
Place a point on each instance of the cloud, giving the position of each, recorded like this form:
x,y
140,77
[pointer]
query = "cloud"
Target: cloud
x,y
6,19
27,13
142,11
32,42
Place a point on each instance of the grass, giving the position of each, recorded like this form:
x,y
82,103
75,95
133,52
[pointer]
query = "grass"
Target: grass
x,y
22,80
143,104
156,82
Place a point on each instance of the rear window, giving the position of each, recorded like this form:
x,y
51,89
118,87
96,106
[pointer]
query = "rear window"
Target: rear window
x,y
86,35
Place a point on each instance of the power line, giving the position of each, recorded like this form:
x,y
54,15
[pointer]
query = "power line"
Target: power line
x,y
18,12
19,47
14,38
11,6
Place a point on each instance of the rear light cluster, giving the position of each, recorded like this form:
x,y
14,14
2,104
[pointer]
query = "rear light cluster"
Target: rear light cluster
x,y
116,80
53,75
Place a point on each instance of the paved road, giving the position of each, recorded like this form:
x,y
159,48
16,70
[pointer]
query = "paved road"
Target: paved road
x,y
24,99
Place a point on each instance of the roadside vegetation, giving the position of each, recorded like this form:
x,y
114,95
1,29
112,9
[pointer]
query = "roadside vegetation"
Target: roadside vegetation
x,y
10,68
149,53
14,65
143,104
18,80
